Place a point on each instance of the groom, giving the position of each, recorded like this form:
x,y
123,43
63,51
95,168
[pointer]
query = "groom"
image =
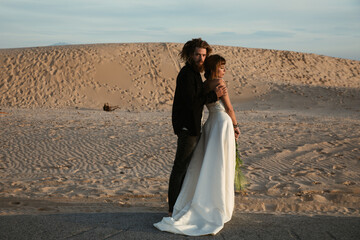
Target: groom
x,y
189,100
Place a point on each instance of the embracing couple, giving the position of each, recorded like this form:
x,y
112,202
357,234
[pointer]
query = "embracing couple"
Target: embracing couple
x,y
201,187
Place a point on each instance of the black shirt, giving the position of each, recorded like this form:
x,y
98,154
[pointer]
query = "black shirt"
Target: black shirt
x,y
189,101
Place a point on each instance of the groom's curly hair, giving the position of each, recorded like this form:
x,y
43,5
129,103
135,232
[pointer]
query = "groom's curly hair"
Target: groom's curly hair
x,y
189,48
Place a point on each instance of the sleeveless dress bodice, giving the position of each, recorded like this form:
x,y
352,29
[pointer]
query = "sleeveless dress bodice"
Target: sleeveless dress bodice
x,y
217,106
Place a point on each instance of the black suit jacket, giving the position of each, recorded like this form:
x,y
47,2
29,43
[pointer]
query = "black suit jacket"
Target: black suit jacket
x,y
189,101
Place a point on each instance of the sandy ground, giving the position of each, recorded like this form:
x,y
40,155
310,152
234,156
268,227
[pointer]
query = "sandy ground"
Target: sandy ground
x,y
295,162
299,116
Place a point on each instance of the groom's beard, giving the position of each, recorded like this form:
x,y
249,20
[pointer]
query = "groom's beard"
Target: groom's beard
x,y
200,68
197,67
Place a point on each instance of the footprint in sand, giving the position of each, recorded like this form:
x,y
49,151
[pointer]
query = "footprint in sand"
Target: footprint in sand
x,y
339,167
300,173
274,178
251,168
256,187
319,198
348,183
316,183
305,196
269,207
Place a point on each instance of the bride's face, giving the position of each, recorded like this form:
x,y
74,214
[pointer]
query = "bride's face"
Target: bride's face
x,y
220,71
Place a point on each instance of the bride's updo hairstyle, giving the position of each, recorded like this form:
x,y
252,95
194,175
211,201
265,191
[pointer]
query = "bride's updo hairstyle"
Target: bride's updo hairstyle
x,y
211,64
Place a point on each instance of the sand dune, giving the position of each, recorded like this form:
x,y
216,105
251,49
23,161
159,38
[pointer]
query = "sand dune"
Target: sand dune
x,y
142,75
299,116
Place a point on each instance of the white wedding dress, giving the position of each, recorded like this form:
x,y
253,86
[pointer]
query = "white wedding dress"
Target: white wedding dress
x,y
206,199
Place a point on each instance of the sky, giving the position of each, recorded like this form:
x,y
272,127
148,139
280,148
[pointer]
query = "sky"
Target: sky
x,y
326,27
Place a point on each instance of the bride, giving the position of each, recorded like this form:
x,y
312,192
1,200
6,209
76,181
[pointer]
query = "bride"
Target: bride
x,y
206,199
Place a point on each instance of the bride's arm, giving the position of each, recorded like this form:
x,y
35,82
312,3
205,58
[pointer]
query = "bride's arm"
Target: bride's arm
x,y
230,111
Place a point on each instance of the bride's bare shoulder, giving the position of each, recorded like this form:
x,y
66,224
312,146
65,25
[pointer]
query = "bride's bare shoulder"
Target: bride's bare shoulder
x,y
220,81
213,83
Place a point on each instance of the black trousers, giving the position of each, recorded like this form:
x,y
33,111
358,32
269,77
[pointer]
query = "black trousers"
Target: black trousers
x,y
185,148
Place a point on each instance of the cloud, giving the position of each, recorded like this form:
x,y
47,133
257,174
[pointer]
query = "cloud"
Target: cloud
x,y
277,24
272,34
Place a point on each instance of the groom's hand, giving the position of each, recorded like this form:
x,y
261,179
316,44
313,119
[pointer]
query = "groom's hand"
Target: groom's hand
x,y
220,91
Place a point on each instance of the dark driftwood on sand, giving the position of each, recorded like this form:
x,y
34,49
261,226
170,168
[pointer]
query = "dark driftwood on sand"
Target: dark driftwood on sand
x,y
109,108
